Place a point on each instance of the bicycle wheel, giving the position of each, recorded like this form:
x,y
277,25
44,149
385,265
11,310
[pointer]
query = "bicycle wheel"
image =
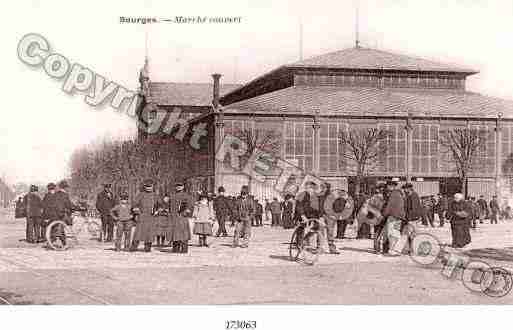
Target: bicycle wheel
x,y
59,236
295,244
310,252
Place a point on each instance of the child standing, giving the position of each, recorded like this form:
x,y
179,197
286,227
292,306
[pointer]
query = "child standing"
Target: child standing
x,y
203,215
122,215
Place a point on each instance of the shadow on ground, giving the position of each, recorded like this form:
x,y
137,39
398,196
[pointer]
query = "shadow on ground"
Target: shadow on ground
x,y
502,254
13,299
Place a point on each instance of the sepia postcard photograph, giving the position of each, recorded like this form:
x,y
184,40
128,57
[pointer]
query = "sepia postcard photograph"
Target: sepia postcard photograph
x,y
256,164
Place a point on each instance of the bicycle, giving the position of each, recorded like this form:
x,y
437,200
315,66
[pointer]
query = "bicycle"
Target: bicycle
x,y
305,242
61,235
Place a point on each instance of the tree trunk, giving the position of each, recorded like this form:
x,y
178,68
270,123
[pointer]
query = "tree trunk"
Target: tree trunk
x,y
464,185
358,182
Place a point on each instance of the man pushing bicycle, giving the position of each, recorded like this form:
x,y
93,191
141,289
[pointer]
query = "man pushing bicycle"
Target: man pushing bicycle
x,y
309,212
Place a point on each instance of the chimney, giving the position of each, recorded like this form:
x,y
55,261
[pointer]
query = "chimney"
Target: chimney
x,y
215,96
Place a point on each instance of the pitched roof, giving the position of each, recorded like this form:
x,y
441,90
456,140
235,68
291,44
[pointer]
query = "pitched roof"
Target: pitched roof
x,y
367,58
330,100
185,94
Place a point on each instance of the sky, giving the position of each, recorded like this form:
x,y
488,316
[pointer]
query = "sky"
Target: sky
x,y
41,125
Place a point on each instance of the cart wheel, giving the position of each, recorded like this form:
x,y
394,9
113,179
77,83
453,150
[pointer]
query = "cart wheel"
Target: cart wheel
x,y
294,246
59,236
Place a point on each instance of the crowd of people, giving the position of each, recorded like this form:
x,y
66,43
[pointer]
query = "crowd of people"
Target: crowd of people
x,y
164,219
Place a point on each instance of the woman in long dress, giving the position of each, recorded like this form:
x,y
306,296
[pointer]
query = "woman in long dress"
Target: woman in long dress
x,y
459,215
287,217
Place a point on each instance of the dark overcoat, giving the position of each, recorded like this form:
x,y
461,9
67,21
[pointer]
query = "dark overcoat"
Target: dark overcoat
x,y
146,222
460,224
179,228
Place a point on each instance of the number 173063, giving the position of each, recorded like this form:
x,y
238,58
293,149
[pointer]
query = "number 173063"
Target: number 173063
x,y
240,325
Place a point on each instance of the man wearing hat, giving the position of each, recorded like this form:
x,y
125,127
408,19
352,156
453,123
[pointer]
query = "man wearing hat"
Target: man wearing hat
x,y
34,209
394,213
64,205
58,206
144,207
49,208
181,207
104,204
245,208
223,211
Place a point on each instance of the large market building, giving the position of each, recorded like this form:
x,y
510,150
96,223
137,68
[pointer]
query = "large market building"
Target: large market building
x,y
308,103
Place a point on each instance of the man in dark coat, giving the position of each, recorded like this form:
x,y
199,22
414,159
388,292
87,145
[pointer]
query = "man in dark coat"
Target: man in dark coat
x,y
413,210
494,210
259,212
223,211
181,207
104,203
58,206
474,216
144,206
441,208
413,206
275,212
34,211
459,214
64,205
483,209
394,213
49,208
245,212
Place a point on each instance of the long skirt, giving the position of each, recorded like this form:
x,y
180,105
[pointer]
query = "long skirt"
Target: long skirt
x,y
145,229
179,229
162,226
287,220
460,231
202,228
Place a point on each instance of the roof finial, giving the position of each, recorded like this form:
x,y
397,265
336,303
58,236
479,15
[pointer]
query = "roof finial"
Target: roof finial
x,y
144,73
357,37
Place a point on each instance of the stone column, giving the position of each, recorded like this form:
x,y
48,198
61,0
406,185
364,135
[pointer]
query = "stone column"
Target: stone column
x,y
498,156
219,136
408,128
316,145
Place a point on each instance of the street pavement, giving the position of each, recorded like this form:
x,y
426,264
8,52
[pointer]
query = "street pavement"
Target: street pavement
x,y
92,273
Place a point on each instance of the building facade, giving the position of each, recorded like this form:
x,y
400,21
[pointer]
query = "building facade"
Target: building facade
x,y
306,105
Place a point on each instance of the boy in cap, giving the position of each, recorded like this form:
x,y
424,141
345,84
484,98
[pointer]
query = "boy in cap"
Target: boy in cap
x,y
122,215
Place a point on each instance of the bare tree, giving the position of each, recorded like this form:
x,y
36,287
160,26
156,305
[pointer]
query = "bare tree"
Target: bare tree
x,y
363,147
259,139
463,144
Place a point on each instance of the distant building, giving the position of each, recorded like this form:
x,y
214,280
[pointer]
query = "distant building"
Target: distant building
x,y
311,101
